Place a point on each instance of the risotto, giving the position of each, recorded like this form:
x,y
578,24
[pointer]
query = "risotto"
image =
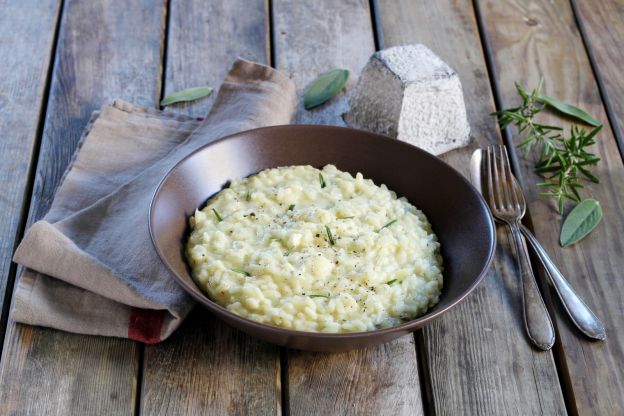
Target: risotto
x,y
315,250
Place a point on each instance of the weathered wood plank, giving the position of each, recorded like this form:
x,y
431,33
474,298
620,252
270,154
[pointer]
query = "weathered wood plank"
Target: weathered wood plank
x,y
311,38
26,40
604,33
106,50
207,367
478,358
530,40
317,36
205,37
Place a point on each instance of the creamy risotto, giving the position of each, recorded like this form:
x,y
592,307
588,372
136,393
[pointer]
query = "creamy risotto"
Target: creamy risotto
x,y
315,250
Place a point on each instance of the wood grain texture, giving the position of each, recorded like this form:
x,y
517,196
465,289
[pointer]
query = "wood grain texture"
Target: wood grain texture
x,y
26,42
477,358
533,39
311,38
207,367
106,50
204,39
374,381
602,21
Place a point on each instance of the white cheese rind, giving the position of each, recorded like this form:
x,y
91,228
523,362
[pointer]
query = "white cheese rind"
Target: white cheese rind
x,y
409,93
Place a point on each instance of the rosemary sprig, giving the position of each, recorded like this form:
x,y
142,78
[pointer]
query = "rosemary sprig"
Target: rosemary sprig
x,y
564,160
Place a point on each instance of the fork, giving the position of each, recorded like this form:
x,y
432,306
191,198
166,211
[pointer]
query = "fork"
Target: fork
x,y
508,205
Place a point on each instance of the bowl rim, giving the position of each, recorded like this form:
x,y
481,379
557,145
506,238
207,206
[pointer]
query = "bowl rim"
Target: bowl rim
x,y
409,326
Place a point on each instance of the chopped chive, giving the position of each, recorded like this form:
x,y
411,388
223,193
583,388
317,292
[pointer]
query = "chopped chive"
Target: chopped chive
x,y
346,218
319,296
389,283
388,225
219,218
322,180
248,196
291,207
241,271
330,236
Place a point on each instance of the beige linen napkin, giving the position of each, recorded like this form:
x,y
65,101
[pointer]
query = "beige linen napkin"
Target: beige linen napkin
x,y
90,264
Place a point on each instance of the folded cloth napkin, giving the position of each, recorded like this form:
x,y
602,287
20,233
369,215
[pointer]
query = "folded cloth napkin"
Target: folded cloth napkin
x,y
90,264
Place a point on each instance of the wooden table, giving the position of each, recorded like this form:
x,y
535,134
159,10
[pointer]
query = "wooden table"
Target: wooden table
x,y
63,59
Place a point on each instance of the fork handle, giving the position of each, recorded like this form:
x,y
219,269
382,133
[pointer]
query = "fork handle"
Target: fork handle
x,y
536,318
579,312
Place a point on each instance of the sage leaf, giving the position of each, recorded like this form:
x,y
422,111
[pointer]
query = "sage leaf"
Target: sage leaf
x,y
569,110
325,87
580,222
189,94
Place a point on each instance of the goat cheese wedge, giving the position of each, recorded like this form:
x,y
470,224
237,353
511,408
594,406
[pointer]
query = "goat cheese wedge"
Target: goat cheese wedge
x,y
409,93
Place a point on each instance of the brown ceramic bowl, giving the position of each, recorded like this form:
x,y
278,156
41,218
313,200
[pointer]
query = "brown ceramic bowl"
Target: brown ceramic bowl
x,y
458,214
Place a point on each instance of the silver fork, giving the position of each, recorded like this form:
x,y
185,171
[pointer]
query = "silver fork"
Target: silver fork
x,y
508,205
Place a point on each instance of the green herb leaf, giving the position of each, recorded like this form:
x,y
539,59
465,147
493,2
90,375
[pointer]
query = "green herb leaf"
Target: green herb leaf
x,y
248,196
219,217
580,222
330,236
388,225
189,94
322,180
241,271
346,218
291,207
319,296
389,283
569,110
325,87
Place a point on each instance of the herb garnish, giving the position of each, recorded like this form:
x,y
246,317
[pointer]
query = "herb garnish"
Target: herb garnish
x,y
291,207
219,218
388,224
564,160
319,296
580,221
189,94
322,180
325,87
389,283
330,236
241,271
248,196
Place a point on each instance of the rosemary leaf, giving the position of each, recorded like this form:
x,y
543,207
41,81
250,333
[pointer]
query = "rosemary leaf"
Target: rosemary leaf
x,y
330,236
388,224
241,271
219,217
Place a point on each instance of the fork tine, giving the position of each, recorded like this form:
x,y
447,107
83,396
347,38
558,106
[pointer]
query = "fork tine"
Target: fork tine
x,y
490,175
488,168
505,176
498,202
510,185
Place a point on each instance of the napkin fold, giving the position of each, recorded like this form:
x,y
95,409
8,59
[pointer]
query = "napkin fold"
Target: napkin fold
x,y
90,266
